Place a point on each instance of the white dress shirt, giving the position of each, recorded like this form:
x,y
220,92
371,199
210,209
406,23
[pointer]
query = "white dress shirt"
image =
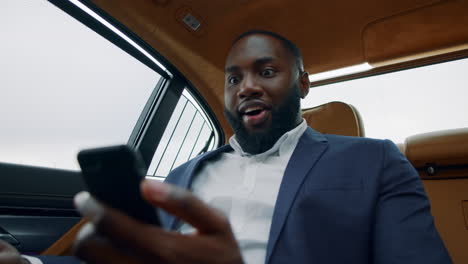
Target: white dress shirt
x,y
245,187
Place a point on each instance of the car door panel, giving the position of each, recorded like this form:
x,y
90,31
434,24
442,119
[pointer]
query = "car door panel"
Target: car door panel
x,y
36,205
33,234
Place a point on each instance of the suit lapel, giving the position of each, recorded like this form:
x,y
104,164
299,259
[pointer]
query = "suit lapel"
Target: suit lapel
x,y
188,177
308,151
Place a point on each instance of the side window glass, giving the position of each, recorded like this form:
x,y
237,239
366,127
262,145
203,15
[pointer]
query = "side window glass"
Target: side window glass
x,y
189,133
63,87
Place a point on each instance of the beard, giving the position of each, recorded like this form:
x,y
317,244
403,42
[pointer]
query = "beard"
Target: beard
x,y
284,118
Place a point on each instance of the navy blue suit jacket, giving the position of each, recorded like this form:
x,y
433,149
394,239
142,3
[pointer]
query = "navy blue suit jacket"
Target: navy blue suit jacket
x,y
343,200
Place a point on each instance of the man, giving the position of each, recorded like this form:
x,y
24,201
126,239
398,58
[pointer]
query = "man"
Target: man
x,y
280,192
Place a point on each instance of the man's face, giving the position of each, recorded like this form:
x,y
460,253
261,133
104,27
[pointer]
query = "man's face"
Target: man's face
x,y
263,86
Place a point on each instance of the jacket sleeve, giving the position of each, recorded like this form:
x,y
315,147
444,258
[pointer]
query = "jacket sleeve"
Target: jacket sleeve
x,y
404,230
58,259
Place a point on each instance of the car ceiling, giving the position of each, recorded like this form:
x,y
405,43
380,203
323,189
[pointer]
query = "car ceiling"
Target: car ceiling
x,y
332,34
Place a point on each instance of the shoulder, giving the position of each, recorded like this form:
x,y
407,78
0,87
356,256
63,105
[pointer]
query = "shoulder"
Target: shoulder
x,y
351,144
354,161
353,149
381,155
385,146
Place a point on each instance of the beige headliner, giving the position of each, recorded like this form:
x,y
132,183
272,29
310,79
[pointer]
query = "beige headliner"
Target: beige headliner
x,y
331,33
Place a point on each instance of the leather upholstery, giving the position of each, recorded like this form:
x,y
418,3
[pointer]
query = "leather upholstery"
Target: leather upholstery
x,y
444,148
442,161
335,118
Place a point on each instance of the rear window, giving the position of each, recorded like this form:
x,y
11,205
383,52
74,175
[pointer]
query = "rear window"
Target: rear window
x,y
400,104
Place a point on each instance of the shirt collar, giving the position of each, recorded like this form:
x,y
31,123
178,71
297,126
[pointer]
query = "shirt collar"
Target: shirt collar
x,y
284,144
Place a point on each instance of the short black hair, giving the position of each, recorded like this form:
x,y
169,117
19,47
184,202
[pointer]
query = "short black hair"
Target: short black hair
x,y
289,45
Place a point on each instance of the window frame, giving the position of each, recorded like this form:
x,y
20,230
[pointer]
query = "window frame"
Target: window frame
x,y
187,99
158,110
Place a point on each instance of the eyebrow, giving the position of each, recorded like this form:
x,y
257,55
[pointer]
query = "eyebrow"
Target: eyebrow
x,y
233,68
257,62
263,60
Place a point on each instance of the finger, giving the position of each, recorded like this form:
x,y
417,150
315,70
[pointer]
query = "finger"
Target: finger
x,y
9,254
6,248
122,229
92,248
185,206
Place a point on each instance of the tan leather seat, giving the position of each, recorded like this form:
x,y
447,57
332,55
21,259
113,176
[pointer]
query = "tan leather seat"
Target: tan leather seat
x,y
441,159
335,118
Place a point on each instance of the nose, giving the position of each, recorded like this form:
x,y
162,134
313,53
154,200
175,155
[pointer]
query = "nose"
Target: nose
x,y
249,87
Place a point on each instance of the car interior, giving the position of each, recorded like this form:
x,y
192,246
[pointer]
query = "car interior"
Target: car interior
x,y
185,43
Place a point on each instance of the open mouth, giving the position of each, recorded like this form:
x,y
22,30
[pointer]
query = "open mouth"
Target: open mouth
x,y
254,115
253,111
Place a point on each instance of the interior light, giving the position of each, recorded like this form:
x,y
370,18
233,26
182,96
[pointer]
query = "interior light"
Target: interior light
x,y
340,72
118,32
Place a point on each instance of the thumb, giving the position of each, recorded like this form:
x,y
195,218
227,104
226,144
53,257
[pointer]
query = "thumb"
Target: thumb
x,y
9,254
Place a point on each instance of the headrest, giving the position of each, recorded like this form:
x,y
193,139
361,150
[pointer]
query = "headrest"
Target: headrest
x,y
335,118
440,148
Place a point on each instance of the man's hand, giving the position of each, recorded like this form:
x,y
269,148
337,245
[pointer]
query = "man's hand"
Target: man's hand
x,y
9,254
113,237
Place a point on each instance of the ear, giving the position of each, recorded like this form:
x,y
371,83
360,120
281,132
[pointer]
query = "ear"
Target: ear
x,y
304,84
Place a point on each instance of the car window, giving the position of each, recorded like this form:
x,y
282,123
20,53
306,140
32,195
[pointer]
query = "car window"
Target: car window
x,y
189,133
404,103
63,87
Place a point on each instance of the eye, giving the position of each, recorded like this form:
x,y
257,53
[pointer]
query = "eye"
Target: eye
x,y
233,80
268,73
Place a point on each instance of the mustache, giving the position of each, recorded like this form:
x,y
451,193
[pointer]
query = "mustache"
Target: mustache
x,y
284,118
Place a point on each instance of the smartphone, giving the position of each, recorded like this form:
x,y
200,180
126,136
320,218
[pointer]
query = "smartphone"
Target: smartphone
x,y
113,175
